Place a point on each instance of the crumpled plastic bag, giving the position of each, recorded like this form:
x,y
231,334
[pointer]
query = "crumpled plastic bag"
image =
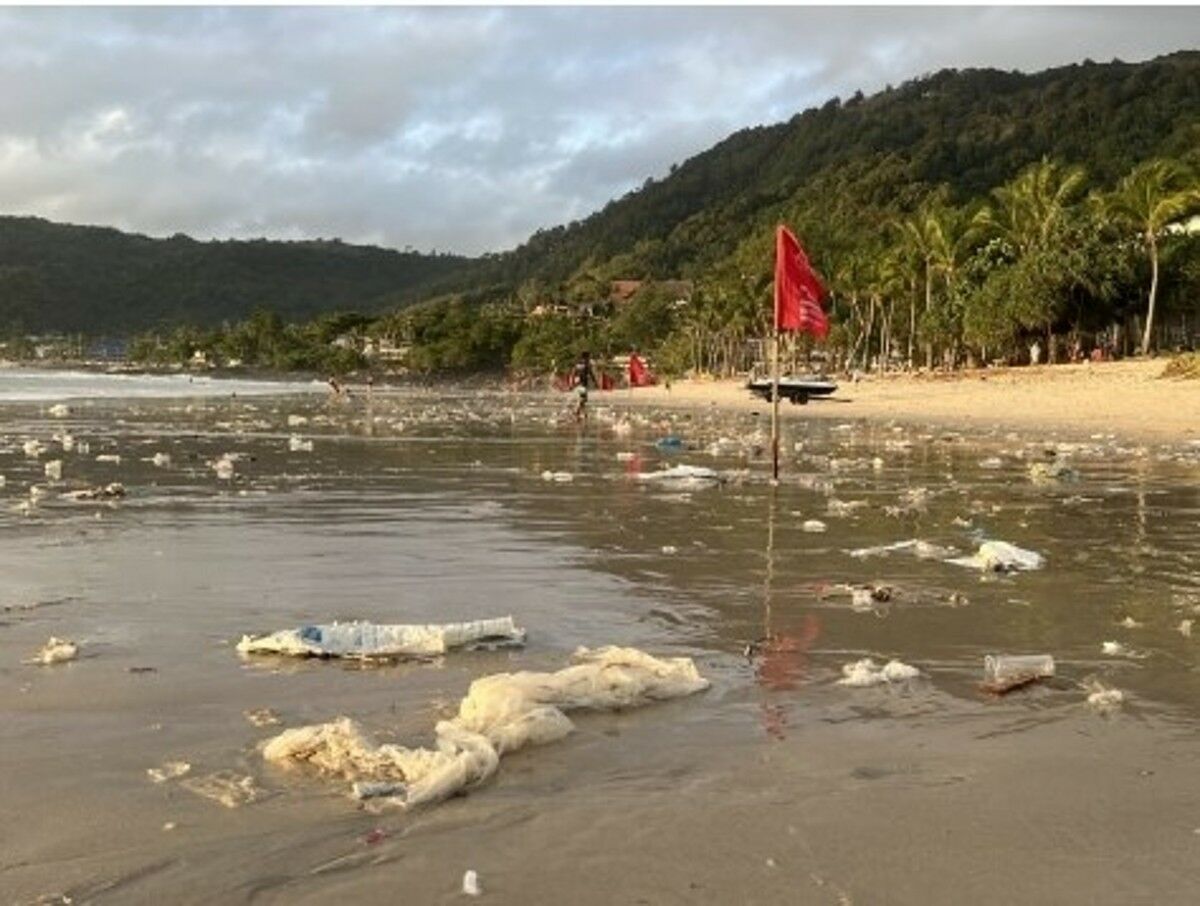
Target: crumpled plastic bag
x,y
362,639
500,714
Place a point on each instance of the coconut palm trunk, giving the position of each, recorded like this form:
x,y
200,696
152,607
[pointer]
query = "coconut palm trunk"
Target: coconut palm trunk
x,y
1152,243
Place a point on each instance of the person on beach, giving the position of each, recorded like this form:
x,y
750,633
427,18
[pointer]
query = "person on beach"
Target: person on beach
x,y
582,377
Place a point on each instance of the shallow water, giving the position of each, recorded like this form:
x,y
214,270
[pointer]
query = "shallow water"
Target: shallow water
x,y
777,785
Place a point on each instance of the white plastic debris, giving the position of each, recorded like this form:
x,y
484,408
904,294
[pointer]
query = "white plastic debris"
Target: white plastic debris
x,y
170,770
113,458
226,787
67,442
867,673
670,549
1116,649
297,444
561,477
296,421
625,456
1000,556
59,410
500,714
53,470
262,717
33,448
1104,699
223,467
1049,472
470,885
372,640
1005,672
1185,628
162,460
922,550
1130,623
813,526
684,476
57,651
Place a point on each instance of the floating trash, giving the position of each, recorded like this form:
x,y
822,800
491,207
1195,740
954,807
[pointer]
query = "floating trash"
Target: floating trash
x,y
1005,672
866,672
112,491
297,444
371,640
470,883
57,651
53,470
170,770
560,477
226,787
1001,557
814,526
500,714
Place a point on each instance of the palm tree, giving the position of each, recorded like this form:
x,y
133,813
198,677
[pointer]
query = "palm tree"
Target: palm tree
x,y
1032,208
1147,199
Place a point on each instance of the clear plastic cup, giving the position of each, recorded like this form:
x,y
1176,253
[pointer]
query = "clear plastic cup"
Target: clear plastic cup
x,y
1009,669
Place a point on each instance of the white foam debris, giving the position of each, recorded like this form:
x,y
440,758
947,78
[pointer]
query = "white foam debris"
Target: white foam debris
x,y
113,458
262,717
561,477
162,460
53,470
470,884
1000,556
867,673
296,421
1116,649
226,787
813,526
670,549
59,410
500,714
1130,623
297,444
33,448
1185,628
1105,700
66,441
625,456
372,640
57,651
170,770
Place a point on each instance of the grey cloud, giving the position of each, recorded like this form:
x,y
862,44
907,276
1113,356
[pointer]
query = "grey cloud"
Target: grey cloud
x,y
456,128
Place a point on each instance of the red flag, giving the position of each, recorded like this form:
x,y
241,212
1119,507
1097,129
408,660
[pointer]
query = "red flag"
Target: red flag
x,y
639,374
798,292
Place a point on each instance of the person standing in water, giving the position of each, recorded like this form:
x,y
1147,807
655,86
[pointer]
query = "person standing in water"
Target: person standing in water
x,y
582,377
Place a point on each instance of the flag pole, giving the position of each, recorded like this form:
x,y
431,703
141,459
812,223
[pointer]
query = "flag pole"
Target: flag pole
x,y
775,406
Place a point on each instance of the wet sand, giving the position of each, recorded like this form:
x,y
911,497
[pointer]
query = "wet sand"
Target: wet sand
x,y
1126,399
776,785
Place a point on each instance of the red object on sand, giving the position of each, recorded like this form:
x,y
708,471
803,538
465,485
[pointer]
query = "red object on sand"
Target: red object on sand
x,y
798,291
639,374
606,381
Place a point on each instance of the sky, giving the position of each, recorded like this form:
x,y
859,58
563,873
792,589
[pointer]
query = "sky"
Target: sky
x,y
454,128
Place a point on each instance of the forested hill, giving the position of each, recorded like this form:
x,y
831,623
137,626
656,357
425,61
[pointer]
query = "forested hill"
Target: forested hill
x,y
96,280
970,130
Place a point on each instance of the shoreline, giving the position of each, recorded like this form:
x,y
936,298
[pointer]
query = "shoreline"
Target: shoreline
x,y
1128,399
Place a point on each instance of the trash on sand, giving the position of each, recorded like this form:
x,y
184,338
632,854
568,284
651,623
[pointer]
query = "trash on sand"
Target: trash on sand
x,y
170,770
922,550
223,467
112,491
57,651
1049,472
682,476
373,640
1005,672
1103,698
471,883
1116,649
261,717
297,444
1000,557
562,477
500,714
813,525
867,673
225,787
53,470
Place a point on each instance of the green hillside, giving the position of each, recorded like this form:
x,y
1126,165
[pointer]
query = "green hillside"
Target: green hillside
x,y
57,277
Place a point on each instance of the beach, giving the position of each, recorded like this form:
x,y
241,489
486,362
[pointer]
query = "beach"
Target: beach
x,y
1128,399
782,782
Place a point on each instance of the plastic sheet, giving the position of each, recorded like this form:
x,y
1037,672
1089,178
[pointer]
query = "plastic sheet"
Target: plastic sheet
x,y
372,640
500,714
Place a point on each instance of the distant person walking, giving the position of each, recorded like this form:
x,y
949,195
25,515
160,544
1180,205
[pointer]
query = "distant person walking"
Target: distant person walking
x,y
582,377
